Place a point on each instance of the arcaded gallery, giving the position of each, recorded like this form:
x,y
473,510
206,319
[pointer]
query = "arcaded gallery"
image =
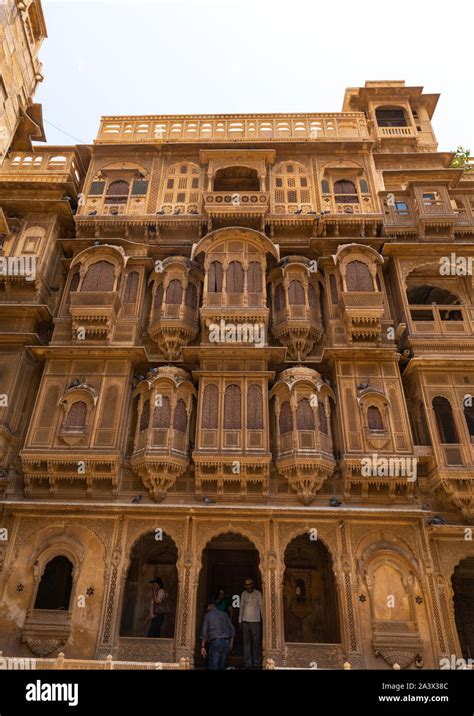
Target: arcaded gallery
x,y
247,351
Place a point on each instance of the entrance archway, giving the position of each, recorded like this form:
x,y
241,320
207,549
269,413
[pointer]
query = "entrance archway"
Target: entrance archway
x,y
150,558
463,587
227,561
310,603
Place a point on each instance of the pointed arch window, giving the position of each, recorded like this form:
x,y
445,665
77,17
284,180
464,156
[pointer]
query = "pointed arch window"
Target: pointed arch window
x,y
235,278
358,277
286,418
117,193
162,413
210,404
190,298
145,416
214,277
445,420
158,296
232,408
296,293
254,408
174,293
76,417
374,418
304,415
100,277
280,298
345,192
131,288
180,421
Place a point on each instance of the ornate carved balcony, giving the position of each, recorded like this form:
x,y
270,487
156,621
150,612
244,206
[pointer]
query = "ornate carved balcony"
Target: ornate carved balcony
x,y
363,311
54,165
174,319
51,468
296,318
304,441
94,312
161,446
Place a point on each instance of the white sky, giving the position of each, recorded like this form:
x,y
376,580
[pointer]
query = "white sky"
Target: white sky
x,y
220,56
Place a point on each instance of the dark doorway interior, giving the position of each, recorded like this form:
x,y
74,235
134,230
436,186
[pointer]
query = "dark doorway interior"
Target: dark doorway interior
x,y
150,558
463,586
309,593
227,560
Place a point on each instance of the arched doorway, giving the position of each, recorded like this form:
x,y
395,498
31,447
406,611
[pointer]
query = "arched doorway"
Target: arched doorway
x,y
310,603
463,587
227,561
154,555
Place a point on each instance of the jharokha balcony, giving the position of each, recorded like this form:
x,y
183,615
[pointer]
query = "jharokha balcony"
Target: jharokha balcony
x,y
174,317
296,318
94,313
161,444
54,165
304,441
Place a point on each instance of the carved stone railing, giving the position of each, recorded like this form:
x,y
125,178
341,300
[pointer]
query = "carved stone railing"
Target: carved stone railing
x,y
44,165
224,202
439,320
396,131
347,126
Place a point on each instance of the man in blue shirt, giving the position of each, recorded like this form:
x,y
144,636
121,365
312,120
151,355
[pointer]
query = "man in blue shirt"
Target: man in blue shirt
x,y
219,632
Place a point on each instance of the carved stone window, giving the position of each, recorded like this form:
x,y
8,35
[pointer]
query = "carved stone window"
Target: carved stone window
x,y
210,403
180,421
286,418
174,293
345,192
333,289
323,421
391,117
190,298
304,415
254,408
445,420
99,277
254,278
296,294
312,297
280,298
145,416
469,416
232,408
76,417
235,278
73,286
159,296
117,193
162,413
131,288
374,418
54,591
214,278
358,277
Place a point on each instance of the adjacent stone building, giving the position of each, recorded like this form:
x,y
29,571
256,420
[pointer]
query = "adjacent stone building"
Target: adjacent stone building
x,y
241,345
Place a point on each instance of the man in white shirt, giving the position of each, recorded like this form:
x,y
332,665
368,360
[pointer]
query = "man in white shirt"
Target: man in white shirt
x,y
251,617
